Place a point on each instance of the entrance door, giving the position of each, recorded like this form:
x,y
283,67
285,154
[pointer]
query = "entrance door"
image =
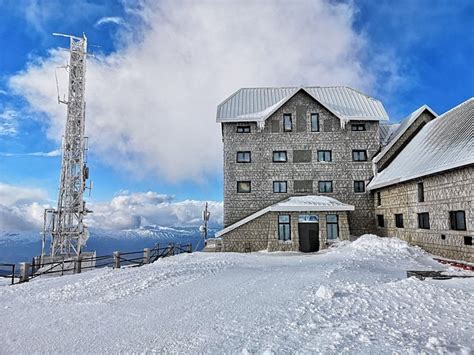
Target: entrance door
x,y
309,237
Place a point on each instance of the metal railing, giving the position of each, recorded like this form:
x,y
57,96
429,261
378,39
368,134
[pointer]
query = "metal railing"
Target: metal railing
x,y
75,265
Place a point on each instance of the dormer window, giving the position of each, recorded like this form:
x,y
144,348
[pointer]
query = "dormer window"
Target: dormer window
x,y
287,123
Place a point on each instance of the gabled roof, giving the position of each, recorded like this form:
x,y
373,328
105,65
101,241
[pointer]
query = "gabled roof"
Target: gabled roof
x,y
404,125
293,204
444,143
257,104
386,132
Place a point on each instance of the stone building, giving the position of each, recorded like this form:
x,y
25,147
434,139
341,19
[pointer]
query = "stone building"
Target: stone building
x,y
314,148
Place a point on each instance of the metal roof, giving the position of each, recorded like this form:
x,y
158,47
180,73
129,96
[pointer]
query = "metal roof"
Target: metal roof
x,y
444,143
257,104
307,203
402,127
386,132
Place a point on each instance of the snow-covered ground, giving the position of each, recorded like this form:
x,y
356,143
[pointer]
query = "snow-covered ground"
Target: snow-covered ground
x,y
350,299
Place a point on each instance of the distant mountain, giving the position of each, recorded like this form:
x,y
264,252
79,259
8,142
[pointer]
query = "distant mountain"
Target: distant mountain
x,y
23,246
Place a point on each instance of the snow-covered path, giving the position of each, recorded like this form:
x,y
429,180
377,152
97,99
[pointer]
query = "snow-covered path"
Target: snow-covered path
x,y
353,299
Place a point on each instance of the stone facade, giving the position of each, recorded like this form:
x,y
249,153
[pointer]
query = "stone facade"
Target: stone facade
x,y
262,171
262,233
444,192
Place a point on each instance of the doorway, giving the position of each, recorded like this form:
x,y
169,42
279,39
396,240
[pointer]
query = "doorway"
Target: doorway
x,y
309,237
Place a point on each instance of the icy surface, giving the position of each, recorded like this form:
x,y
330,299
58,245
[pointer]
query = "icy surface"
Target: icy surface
x,y
351,299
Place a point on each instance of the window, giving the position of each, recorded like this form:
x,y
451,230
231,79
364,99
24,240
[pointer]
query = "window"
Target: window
x,y
458,220
315,122
280,186
303,186
379,199
424,220
287,123
324,155
421,192
359,155
358,127
359,186
280,156
325,186
380,220
399,220
302,156
467,240
243,186
332,227
243,157
243,129
284,231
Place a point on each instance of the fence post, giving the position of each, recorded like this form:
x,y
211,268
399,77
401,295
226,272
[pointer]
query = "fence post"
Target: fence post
x,y
77,264
190,247
24,272
116,260
146,255
13,274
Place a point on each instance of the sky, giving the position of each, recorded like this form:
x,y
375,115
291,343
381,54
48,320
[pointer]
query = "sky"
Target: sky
x,y
158,70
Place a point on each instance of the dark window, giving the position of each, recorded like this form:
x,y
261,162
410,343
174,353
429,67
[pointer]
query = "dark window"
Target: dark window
x,y
302,156
380,220
303,186
358,127
421,192
424,220
243,129
324,155
287,123
243,157
280,186
243,186
379,199
359,186
359,155
280,156
443,237
467,240
315,122
458,220
284,230
325,186
399,220
332,226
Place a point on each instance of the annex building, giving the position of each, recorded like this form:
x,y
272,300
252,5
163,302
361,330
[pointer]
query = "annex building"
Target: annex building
x,y
306,166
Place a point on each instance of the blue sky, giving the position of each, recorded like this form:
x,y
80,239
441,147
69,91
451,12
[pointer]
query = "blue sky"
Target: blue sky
x,y
406,53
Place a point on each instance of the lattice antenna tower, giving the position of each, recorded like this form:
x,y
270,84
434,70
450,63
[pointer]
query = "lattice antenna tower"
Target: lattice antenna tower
x,y
65,225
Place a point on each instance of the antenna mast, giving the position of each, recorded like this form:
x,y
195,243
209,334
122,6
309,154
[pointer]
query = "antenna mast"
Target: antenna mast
x,y
65,225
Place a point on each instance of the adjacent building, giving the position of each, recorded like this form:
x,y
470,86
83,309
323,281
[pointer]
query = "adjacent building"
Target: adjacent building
x,y
303,166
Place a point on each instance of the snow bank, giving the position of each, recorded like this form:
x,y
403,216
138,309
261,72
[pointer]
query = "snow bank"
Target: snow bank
x,y
385,246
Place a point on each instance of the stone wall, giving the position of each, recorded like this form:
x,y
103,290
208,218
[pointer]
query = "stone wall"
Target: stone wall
x,y
262,233
449,191
262,171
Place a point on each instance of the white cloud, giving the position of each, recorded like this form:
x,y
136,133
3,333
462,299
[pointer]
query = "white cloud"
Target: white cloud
x,y
111,19
53,153
151,105
128,211
8,123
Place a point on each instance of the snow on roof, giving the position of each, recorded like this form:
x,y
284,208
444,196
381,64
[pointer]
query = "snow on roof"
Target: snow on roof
x,y
402,127
444,143
294,204
387,131
257,104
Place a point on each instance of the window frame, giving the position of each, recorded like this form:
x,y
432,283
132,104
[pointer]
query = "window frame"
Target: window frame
x,y
421,220
399,220
328,223
285,117
380,221
359,182
279,183
420,191
243,161
454,221
243,129
318,124
358,125
357,152
284,238
325,151
279,152
240,191
379,199
324,182
296,190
